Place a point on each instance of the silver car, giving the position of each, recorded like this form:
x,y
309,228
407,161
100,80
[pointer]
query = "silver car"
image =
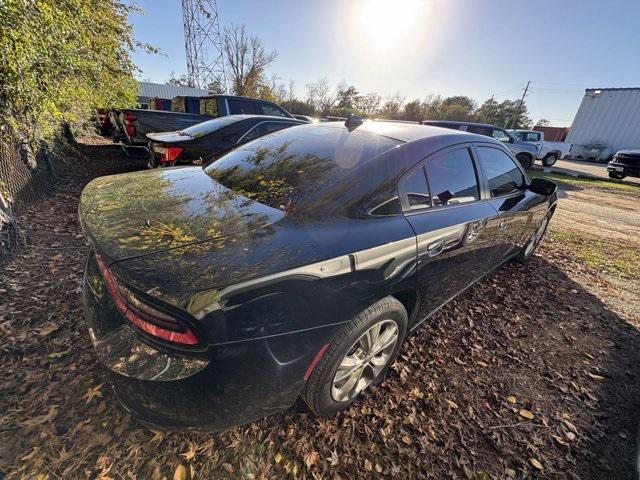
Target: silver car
x,y
526,153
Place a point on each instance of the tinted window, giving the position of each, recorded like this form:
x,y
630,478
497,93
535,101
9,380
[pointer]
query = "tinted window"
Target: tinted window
x,y
237,106
263,128
279,169
415,186
272,110
452,178
480,130
500,134
390,207
501,171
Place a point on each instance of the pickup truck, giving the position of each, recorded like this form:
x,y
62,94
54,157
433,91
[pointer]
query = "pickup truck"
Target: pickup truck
x,y
548,152
524,152
134,124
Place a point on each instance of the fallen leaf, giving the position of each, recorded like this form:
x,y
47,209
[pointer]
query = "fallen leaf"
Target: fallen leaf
x,y
277,458
536,463
452,404
511,399
510,472
599,378
526,414
180,473
368,466
571,426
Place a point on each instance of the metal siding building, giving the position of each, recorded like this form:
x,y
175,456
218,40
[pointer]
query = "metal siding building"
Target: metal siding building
x,y
147,90
608,116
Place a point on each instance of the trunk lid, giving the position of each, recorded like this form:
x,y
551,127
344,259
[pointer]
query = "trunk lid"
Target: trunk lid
x,y
169,137
146,212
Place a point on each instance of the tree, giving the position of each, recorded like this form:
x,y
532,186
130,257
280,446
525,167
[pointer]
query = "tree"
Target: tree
x,y
320,96
392,108
543,122
59,60
246,60
503,114
180,81
369,104
413,110
458,107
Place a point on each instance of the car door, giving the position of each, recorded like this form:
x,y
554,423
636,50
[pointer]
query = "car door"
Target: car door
x,y
454,227
506,188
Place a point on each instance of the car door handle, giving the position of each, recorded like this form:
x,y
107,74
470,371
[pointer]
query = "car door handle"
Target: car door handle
x,y
435,248
502,226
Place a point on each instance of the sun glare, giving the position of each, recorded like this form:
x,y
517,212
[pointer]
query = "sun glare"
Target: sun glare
x,y
385,23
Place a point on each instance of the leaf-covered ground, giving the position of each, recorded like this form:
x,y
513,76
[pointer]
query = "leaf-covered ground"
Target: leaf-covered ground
x,y
528,374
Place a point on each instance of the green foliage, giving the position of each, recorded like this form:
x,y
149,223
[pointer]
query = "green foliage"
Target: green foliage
x,y
503,114
60,59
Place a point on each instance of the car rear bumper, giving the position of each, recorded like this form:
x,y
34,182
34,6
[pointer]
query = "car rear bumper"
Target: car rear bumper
x,y
212,389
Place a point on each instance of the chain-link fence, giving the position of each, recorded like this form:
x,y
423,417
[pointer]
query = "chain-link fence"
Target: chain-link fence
x,y
23,181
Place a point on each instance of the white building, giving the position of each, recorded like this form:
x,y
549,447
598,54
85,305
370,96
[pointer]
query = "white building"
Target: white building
x,y
609,117
147,90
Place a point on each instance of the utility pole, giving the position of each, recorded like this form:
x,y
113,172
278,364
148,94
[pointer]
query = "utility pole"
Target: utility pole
x,y
514,119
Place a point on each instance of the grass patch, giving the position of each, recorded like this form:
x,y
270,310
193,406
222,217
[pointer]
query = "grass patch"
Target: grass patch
x,y
622,259
586,182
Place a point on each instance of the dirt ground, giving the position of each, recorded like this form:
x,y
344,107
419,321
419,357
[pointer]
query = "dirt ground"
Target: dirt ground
x,y
531,373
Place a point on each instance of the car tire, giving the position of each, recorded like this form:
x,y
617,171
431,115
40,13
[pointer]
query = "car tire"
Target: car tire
x,y
529,248
525,160
617,176
549,160
325,394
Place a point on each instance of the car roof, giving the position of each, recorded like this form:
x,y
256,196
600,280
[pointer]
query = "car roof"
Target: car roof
x,y
246,116
458,122
413,132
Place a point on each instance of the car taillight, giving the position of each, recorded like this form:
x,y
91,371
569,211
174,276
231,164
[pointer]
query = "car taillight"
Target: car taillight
x,y
167,154
143,316
129,118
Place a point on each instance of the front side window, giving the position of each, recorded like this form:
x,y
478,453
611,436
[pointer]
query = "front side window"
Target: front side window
x,y
501,171
500,134
271,110
452,178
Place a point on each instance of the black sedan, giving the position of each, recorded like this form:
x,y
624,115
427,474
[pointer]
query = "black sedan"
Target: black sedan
x,y
295,265
204,140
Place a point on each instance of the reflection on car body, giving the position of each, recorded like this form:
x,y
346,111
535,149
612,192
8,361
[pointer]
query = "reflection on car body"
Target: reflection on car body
x,y
294,265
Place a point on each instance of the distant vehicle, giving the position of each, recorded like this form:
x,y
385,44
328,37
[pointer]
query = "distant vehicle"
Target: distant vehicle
x,y
523,151
625,163
205,140
306,118
548,152
136,123
295,265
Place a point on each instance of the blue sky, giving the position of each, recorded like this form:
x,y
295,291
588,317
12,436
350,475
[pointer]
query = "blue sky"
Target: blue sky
x,y
448,47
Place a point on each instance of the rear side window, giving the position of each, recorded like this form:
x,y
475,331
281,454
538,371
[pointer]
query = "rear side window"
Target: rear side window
x,y
263,128
531,137
271,110
452,178
416,188
501,171
279,169
238,106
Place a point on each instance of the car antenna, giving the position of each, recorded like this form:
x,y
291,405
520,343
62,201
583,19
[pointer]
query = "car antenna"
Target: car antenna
x,y
353,121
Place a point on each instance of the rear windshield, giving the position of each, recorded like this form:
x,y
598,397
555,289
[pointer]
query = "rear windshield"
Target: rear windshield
x,y
278,169
204,128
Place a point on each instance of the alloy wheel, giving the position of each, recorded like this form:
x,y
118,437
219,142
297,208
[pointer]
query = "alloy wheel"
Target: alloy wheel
x,y
365,360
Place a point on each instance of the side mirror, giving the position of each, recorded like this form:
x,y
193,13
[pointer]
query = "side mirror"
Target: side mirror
x,y
542,186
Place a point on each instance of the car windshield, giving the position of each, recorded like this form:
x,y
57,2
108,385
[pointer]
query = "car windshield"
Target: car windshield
x,y
205,128
277,170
